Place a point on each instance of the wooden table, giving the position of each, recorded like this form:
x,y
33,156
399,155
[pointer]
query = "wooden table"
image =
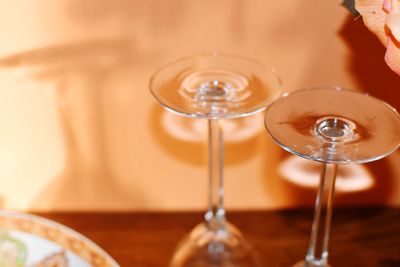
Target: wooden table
x,y
360,236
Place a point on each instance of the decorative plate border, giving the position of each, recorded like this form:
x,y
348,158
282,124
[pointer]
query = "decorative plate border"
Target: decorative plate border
x,y
58,234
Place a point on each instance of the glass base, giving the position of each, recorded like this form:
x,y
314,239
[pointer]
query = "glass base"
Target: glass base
x,y
208,246
304,264
334,126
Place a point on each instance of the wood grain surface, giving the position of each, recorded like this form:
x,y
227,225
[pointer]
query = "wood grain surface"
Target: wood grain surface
x,y
367,236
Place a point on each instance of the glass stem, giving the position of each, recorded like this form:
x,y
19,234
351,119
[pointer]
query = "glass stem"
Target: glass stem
x,y
215,215
317,254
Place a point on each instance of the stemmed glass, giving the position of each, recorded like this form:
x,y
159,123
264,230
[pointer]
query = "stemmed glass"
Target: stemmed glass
x,y
333,126
214,87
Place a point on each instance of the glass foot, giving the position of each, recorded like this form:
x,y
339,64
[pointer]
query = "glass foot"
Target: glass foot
x,y
304,264
206,246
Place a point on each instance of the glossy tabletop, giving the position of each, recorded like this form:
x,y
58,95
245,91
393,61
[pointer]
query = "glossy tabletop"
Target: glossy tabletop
x,y
367,236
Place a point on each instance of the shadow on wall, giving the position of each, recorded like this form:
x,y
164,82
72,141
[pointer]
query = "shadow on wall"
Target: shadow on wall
x,y
80,73
366,63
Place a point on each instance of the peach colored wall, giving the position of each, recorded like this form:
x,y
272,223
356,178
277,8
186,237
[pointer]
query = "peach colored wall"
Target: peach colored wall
x,y
80,130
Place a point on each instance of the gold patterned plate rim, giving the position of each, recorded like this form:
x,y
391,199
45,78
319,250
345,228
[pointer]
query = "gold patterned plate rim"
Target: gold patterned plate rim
x,y
61,235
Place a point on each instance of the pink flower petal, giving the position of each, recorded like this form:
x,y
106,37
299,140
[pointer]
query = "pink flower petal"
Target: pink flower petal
x,y
374,17
387,5
393,23
392,56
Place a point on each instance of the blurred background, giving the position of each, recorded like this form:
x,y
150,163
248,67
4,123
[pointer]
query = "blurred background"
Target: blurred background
x,y
81,131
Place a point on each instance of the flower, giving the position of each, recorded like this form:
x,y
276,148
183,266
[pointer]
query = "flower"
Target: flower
x,y
382,17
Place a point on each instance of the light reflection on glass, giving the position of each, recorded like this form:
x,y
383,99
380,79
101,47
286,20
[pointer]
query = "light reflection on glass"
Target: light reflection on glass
x,y
190,130
306,173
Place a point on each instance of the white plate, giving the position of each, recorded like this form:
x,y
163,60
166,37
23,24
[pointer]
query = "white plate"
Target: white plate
x,y
31,239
